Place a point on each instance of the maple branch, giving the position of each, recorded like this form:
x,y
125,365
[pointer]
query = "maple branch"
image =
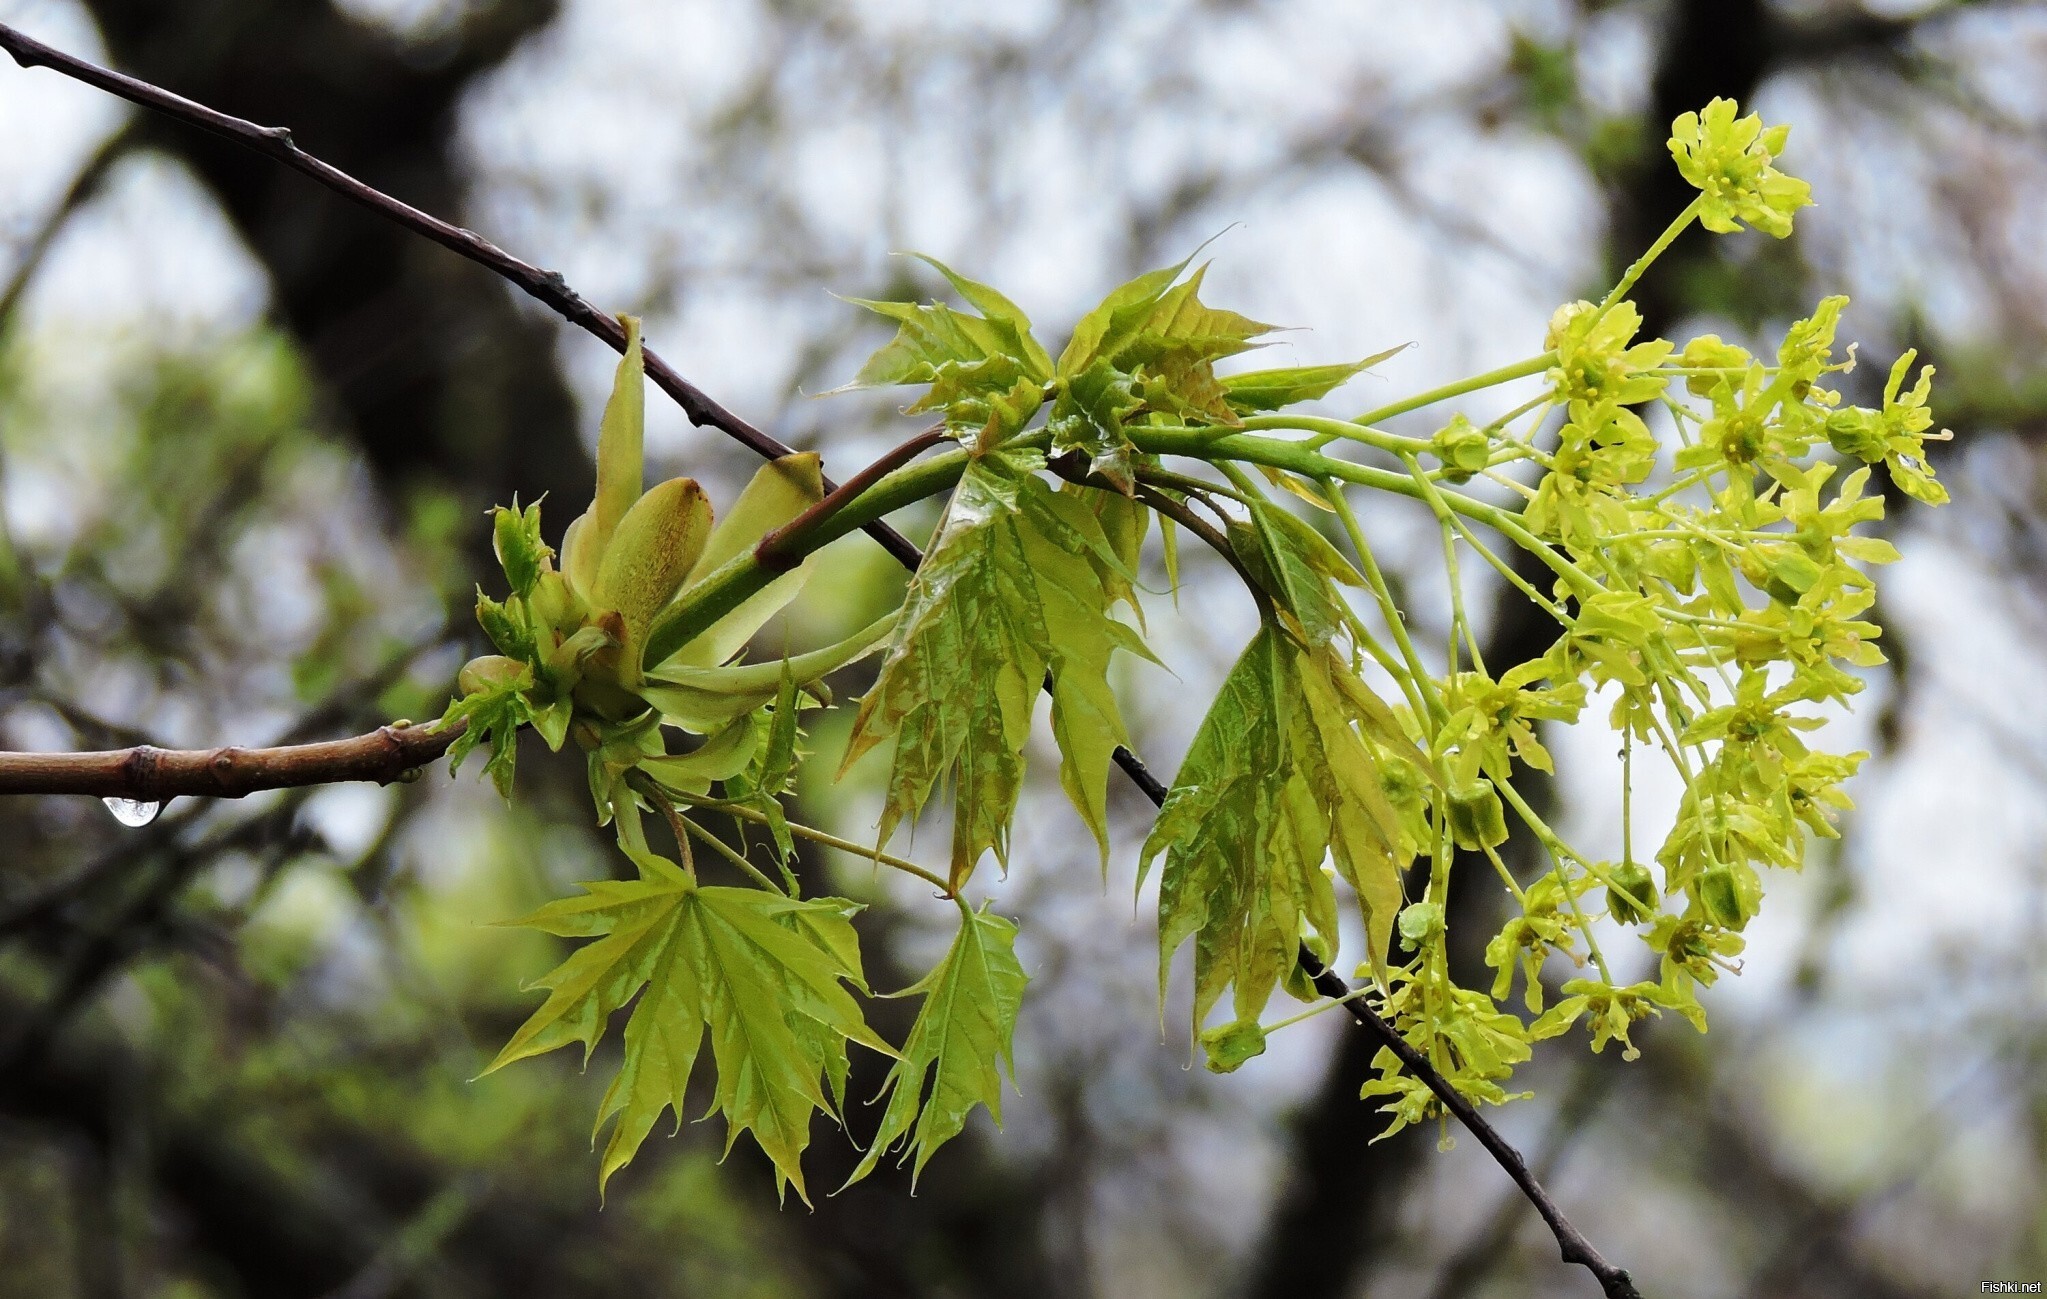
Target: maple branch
x,y
1571,1242
147,774
548,286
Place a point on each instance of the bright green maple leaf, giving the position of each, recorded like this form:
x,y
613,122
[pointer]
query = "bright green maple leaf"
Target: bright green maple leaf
x,y
1011,587
766,974
1150,347
1295,565
961,1041
1276,780
1264,390
979,369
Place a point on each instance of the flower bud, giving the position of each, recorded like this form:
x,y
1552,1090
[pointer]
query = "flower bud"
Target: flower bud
x,y
1859,433
1631,896
1477,819
1721,897
1420,921
1229,1046
1463,448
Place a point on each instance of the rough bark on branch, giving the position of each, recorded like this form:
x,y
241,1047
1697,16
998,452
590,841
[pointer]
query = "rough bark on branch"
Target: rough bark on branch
x,y
147,774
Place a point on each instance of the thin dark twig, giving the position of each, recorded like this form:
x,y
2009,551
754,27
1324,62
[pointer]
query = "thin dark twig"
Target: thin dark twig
x,y
331,714
1479,1256
1570,1241
548,286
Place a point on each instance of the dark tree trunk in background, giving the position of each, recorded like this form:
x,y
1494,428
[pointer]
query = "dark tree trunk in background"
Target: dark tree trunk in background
x,y
438,374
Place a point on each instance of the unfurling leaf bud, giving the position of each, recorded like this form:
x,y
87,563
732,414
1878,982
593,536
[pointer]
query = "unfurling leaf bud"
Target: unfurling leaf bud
x,y
491,672
620,440
582,552
652,551
1477,820
521,553
1631,894
506,629
553,605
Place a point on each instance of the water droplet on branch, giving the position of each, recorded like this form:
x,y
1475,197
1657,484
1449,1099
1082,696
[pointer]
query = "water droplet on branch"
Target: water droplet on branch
x,y
130,812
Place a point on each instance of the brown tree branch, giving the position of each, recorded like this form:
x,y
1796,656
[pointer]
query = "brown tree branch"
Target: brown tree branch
x,y
148,774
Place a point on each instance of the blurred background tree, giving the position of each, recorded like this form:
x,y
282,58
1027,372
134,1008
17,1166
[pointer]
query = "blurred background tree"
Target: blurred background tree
x,y
249,434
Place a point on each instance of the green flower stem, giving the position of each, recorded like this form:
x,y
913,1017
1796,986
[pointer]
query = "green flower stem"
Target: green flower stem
x,y
1663,241
1458,621
1491,378
1628,798
1523,490
1444,523
1328,430
815,835
1506,876
1506,570
1544,399
1247,491
1359,630
1396,623
1448,521
726,851
1559,853
1330,1003
1385,659
1680,414
1188,485
1299,458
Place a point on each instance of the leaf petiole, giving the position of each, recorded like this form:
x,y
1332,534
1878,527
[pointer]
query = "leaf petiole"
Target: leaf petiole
x,y
815,835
